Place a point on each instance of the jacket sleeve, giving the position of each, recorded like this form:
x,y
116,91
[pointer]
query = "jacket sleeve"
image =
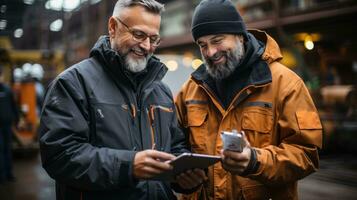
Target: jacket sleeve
x,y
66,152
300,135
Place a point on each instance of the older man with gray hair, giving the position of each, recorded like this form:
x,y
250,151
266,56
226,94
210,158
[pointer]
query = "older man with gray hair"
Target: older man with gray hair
x,y
108,123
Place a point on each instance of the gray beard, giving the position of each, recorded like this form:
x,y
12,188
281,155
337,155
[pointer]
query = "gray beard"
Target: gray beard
x,y
222,71
135,65
132,65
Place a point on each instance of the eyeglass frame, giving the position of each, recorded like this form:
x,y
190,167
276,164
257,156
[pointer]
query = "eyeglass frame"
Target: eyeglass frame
x,y
131,31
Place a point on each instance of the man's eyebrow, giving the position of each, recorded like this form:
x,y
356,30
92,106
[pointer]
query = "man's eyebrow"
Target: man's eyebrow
x,y
212,38
199,42
216,36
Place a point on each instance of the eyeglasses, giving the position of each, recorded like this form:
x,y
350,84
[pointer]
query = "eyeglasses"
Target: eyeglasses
x,y
141,36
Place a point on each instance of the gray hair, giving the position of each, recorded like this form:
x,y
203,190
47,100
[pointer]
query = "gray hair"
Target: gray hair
x,y
150,5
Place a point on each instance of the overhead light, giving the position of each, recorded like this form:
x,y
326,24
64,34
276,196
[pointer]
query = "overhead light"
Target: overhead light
x,y
187,59
289,59
66,5
196,63
172,65
69,5
18,33
56,25
54,5
3,9
29,2
3,24
308,43
94,1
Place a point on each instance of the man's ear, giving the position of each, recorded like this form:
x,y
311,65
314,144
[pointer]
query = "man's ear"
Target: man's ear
x,y
112,25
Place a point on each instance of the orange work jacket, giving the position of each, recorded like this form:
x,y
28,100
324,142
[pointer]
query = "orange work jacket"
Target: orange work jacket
x,y
279,119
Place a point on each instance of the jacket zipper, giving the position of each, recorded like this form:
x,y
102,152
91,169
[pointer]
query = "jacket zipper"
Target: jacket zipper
x,y
151,114
151,117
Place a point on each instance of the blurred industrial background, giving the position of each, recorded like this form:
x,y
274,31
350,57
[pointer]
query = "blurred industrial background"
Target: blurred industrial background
x,y
40,38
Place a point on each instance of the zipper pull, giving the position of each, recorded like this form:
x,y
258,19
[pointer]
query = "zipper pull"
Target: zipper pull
x,y
133,110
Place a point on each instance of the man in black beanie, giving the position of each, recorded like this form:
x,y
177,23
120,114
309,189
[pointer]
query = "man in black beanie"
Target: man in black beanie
x,y
242,86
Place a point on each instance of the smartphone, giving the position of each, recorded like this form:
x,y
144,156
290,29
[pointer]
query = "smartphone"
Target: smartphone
x,y
233,141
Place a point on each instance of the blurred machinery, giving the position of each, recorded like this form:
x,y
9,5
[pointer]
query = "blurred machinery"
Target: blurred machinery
x,y
339,118
28,100
24,72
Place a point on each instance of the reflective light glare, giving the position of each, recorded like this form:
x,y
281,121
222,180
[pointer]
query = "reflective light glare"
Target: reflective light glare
x,y
196,63
29,2
56,25
18,33
172,65
3,24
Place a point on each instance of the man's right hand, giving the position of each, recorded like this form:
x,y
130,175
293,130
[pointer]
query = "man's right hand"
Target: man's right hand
x,y
149,163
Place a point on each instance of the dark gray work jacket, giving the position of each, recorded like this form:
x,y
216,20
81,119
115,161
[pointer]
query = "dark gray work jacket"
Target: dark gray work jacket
x,y
94,121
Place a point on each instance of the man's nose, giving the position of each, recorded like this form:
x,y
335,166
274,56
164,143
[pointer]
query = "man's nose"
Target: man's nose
x,y
145,44
211,51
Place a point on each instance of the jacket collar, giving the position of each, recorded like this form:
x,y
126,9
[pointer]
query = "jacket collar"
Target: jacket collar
x,y
272,51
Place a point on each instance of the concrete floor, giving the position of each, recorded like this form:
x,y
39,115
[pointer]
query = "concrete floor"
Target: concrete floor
x,y
32,181
336,179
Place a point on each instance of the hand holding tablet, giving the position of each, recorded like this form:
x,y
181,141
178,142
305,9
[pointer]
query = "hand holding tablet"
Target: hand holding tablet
x,y
187,161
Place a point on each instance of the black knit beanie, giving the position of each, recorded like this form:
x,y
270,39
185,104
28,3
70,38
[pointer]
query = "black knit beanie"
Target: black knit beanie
x,y
216,17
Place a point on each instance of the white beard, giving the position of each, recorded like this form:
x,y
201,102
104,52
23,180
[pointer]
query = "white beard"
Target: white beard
x,y
135,65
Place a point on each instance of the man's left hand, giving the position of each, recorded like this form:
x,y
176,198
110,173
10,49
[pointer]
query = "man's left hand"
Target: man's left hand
x,y
191,178
236,162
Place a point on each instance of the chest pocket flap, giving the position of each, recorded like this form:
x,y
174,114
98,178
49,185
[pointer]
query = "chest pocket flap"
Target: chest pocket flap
x,y
257,120
196,115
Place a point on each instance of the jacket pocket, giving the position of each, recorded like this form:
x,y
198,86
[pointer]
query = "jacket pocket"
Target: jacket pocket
x,y
197,123
256,192
257,124
310,127
308,120
249,189
112,123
